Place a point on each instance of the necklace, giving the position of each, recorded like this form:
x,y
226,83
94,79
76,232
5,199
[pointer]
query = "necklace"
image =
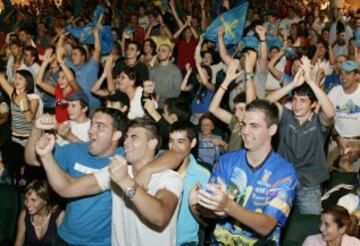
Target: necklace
x,y
43,224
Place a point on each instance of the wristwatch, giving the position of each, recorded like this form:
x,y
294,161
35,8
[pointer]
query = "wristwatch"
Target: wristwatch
x,y
130,192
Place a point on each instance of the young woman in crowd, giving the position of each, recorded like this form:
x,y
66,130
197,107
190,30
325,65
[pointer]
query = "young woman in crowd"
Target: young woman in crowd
x,y
39,220
24,104
337,227
66,83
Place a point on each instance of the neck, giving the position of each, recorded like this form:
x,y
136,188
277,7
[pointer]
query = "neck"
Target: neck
x,y
184,165
131,61
82,119
131,92
43,212
304,118
351,89
335,242
164,63
136,167
208,135
257,157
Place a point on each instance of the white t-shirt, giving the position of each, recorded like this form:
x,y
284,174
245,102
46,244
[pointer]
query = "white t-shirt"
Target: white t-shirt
x,y
127,227
271,82
136,109
347,119
80,130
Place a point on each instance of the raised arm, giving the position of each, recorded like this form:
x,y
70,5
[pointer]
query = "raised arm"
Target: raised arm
x,y
263,57
97,44
61,182
39,76
226,58
179,31
327,113
107,74
7,87
272,65
60,53
214,107
175,14
250,62
203,79
184,84
204,21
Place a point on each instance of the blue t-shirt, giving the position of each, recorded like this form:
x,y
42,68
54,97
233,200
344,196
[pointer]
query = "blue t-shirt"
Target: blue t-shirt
x,y
86,76
268,189
202,106
187,227
87,220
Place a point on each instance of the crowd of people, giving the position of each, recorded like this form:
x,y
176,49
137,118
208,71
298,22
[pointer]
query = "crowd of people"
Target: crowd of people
x,y
170,134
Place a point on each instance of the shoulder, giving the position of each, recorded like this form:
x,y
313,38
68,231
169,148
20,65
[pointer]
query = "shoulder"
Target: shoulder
x,y
349,240
314,240
335,90
167,179
280,163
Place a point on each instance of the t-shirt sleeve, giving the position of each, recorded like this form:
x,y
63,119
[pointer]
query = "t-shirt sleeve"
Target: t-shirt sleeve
x,y
172,182
281,197
103,178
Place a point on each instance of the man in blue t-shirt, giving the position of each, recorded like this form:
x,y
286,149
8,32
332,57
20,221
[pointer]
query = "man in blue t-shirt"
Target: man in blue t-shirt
x,y
87,219
86,71
251,190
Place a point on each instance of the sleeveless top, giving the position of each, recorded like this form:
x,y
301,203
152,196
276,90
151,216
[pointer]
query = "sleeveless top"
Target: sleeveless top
x,y
46,240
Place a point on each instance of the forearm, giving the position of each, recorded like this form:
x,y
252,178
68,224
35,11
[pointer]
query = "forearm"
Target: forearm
x,y
215,108
280,93
226,58
176,17
167,160
178,32
263,58
64,184
326,105
250,91
194,32
97,47
184,86
70,77
30,154
260,223
149,207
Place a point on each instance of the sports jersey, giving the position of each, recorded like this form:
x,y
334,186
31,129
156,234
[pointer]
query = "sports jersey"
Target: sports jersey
x,y
268,189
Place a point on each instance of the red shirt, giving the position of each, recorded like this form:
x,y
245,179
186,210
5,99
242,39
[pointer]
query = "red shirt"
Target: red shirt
x,y
185,53
61,107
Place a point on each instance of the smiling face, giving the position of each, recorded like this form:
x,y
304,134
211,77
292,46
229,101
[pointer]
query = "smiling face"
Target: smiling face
x,y
103,137
123,82
180,142
62,80
301,106
255,131
138,146
33,203
206,127
347,79
330,231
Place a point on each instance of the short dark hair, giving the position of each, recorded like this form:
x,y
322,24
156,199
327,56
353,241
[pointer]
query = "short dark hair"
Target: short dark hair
x,y
184,125
177,107
138,47
240,98
149,125
80,49
119,120
132,74
269,109
305,90
16,42
33,51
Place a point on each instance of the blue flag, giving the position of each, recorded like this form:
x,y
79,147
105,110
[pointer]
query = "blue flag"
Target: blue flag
x,y
253,42
85,36
233,22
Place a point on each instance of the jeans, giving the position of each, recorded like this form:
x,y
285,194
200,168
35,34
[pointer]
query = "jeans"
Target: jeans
x,y
308,200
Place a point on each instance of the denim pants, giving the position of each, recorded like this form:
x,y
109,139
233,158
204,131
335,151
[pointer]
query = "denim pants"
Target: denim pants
x,y
308,200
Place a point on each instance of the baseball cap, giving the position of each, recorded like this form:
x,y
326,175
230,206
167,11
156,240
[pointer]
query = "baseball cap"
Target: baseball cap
x,y
79,95
349,66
